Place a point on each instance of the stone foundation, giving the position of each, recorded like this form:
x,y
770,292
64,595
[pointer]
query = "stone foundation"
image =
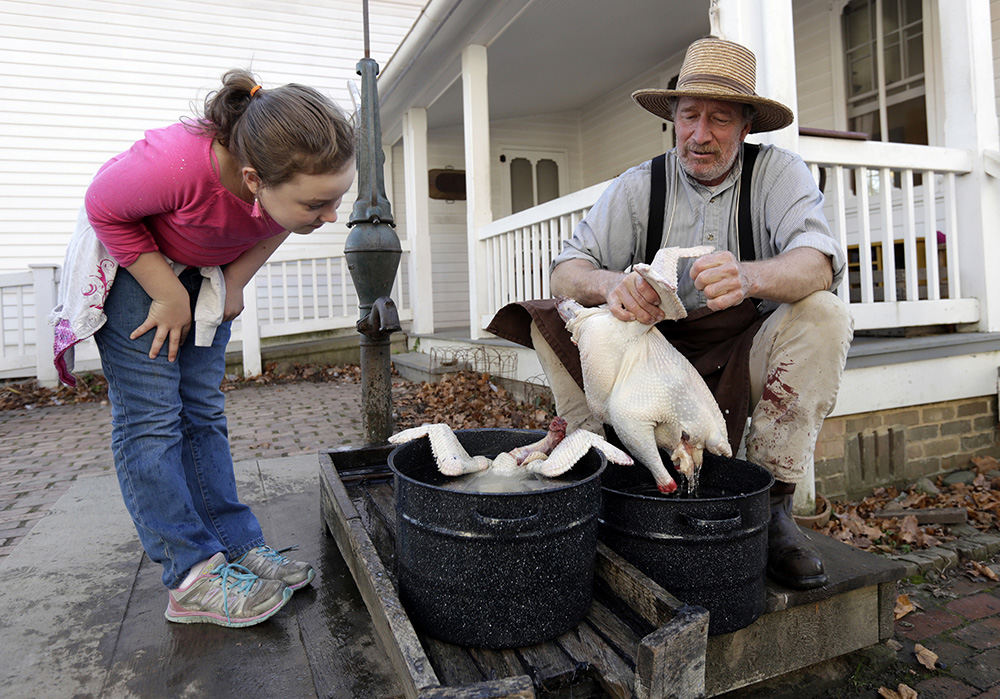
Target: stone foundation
x,y
856,453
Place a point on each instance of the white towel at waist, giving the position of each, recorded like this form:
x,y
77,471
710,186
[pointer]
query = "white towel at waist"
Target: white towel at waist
x,y
87,276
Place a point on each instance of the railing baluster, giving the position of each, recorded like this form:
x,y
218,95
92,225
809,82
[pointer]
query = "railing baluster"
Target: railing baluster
x,y
546,254
284,291
300,289
865,242
315,289
930,236
270,294
840,227
536,260
910,236
888,238
951,236
329,287
507,276
19,303
343,285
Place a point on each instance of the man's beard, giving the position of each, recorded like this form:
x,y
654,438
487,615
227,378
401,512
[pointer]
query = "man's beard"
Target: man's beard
x,y
721,166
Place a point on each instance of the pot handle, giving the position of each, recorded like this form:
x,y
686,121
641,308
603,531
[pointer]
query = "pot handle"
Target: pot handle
x,y
494,520
713,526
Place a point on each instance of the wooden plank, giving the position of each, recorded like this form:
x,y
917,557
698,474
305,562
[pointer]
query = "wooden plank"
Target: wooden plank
x,y
848,569
152,657
383,502
647,598
452,664
791,639
392,625
519,687
497,664
619,634
928,515
613,674
549,667
672,658
369,499
335,627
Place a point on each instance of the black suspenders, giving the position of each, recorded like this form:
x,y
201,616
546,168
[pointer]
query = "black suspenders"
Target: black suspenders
x,y
657,198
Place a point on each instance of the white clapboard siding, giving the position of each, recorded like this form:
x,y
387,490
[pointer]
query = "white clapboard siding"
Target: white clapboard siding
x,y
995,33
618,133
815,63
82,80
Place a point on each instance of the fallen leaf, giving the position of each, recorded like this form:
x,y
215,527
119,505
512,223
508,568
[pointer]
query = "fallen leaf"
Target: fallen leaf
x,y
984,570
909,530
903,691
925,656
903,606
984,464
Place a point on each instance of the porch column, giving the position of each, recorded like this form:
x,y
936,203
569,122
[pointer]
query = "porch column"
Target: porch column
x,y
970,122
476,120
418,230
765,27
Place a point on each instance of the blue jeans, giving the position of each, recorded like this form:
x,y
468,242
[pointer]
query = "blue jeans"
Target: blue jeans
x,y
169,437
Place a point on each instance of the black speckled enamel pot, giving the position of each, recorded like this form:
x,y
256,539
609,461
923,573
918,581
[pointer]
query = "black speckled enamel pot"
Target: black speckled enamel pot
x,y
497,570
709,551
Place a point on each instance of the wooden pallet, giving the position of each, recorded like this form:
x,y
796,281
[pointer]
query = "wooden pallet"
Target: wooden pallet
x,y
637,639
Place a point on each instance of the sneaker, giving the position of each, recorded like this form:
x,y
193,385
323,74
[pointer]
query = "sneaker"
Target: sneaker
x,y
227,595
270,564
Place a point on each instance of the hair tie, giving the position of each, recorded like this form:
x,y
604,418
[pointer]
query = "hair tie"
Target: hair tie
x,y
254,91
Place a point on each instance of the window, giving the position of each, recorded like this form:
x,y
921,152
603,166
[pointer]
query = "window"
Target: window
x,y
884,52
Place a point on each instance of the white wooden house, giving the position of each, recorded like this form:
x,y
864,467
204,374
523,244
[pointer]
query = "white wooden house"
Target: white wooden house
x,y
83,79
530,99
527,101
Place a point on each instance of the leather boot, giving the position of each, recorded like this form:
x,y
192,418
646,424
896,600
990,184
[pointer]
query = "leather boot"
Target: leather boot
x,y
791,558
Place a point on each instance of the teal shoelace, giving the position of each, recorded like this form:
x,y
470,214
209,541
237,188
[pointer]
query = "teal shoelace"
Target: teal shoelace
x,y
233,576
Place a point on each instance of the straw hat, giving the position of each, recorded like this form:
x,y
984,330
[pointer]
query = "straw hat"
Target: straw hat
x,y
722,70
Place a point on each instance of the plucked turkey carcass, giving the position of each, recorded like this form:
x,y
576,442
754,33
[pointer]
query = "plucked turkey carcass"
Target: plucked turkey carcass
x,y
551,456
638,383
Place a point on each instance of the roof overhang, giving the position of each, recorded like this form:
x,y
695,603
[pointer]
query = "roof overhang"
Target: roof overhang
x,y
545,56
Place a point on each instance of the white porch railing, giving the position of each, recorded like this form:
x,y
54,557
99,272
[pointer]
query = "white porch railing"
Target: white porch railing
x,y
291,297
911,279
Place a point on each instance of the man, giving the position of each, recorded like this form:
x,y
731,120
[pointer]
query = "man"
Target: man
x,y
760,309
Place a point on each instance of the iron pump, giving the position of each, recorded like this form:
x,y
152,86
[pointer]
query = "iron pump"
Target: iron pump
x,y
372,250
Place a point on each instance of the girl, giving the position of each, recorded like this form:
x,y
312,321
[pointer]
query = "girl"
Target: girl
x,y
180,223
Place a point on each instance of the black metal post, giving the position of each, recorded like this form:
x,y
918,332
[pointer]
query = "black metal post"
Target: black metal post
x,y
373,251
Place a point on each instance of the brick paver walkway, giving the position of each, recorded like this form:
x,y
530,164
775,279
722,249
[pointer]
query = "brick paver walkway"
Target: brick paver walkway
x,y
42,451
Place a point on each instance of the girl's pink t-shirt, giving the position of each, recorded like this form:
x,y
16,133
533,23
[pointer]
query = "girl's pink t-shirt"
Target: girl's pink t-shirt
x,y
163,194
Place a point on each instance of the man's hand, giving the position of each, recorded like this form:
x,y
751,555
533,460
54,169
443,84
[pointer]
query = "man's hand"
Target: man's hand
x,y
632,298
170,316
721,277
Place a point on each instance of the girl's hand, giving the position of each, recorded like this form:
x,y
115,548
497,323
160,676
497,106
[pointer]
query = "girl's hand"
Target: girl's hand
x,y
234,299
171,318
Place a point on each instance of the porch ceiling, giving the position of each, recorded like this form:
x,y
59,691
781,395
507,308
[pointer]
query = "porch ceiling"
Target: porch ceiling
x,y
544,55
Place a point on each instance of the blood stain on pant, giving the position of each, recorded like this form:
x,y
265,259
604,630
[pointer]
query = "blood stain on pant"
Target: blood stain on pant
x,y
780,395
